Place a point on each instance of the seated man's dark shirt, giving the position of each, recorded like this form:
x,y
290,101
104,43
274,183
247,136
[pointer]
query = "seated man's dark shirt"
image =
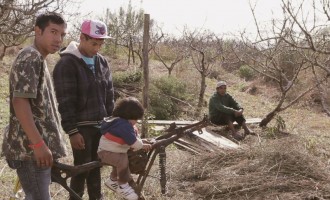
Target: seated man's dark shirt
x,y
222,109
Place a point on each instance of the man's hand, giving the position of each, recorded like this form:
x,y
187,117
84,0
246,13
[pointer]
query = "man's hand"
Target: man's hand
x,y
77,141
43,156
238,112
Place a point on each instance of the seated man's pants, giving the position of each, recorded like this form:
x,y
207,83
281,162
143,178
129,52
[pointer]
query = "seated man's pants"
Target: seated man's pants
x,y
224,119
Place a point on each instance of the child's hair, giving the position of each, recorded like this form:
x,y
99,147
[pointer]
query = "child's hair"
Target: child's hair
x,y
43,19
128,108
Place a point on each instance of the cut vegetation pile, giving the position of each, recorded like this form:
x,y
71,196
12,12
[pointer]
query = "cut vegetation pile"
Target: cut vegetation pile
x,y
278,169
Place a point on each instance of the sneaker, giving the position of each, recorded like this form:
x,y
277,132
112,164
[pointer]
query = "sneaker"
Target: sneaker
x,y
127,192
112,185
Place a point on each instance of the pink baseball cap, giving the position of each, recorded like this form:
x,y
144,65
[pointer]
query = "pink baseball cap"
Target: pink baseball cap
x,y
95,29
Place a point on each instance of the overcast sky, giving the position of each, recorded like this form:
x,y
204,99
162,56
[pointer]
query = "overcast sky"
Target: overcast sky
x,y
219,16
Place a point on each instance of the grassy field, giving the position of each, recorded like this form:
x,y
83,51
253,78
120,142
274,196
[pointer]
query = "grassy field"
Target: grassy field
x,y
4,88
288,163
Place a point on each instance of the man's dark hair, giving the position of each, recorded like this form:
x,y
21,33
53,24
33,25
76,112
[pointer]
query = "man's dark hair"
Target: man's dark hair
x,y
43,19
87,37
128,108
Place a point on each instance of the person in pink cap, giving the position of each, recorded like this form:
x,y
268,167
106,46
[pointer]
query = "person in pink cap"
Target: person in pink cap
x,y
85,95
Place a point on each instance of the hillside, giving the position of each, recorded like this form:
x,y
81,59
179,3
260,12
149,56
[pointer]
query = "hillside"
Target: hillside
x,y
289,163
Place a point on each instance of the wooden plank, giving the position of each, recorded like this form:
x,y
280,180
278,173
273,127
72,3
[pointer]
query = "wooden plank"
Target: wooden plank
x,y
183,122
216,139
253,120
187,146
198,143
168,122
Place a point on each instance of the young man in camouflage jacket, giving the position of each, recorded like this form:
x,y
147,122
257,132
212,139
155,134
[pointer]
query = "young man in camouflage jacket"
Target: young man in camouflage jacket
x,y
33,138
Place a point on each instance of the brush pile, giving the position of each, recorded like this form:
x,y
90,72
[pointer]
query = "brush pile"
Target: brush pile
x,y
278,169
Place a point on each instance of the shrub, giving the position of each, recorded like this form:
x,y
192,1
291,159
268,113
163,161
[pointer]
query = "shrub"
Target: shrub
x,y
274,131
246,72
126,83
125,77
165,93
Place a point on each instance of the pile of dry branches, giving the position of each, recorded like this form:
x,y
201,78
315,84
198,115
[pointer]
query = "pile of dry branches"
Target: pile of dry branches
x,y
281,169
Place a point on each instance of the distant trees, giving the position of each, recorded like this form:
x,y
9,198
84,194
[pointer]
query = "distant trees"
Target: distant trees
x,y
295,44
17,20
126,28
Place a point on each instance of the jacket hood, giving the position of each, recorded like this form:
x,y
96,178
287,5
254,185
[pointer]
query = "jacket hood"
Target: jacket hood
x,y
115,125
72,48
108,123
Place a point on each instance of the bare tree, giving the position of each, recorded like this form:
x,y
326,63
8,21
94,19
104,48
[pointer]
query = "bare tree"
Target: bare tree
x,y
170,51
17,19
204,49
321,92
283,66
292,46
313,42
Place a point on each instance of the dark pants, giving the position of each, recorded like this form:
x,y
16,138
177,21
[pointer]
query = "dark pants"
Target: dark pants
x,y
224,119
92,137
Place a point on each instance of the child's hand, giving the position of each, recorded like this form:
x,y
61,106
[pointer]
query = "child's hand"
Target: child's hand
x,y
148,140
147,147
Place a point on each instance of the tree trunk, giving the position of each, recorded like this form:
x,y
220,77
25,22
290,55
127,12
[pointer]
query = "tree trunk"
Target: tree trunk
x,y
129,56
131,49
169,71
116,47
268,118
201,95
3,53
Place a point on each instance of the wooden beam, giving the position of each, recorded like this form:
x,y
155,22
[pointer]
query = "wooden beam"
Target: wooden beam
x,y
178,122
145,63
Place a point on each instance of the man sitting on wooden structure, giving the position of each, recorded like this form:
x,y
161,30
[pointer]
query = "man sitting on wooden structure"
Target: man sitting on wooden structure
x,y
224,110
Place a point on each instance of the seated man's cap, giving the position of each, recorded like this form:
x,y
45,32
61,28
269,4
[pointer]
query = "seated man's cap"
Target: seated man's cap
x,y
95,29
221,83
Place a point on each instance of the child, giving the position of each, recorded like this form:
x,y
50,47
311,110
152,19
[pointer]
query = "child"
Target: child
x,y
119,134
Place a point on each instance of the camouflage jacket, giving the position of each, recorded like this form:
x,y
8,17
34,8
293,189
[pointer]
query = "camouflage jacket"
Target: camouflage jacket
x,y
30,78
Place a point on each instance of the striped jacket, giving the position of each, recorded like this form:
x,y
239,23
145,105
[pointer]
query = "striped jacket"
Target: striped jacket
x,y
118,136
83,98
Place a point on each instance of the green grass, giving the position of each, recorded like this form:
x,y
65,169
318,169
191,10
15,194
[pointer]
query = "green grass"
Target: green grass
x,y
4,100
6,176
